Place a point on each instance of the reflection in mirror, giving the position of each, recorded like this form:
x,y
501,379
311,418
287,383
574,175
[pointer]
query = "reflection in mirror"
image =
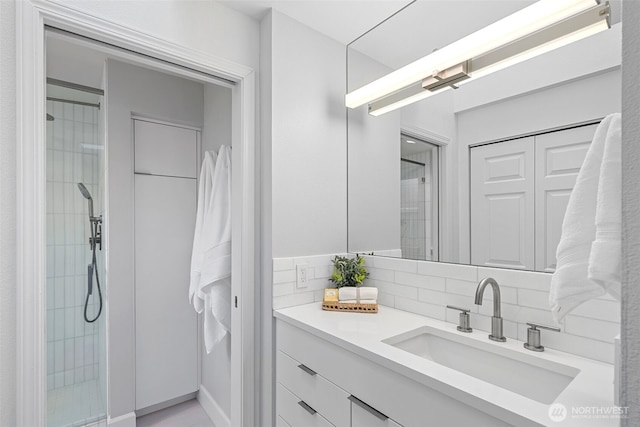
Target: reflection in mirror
x,y
418,199
508,145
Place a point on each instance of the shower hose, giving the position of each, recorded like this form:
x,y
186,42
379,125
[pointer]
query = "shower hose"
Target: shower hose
x,y
93,269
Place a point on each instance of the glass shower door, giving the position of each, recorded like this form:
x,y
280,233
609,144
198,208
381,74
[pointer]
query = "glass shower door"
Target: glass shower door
x,y
419,199
76,339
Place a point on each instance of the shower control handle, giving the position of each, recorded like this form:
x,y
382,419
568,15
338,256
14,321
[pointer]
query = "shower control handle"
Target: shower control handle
x,y
90,279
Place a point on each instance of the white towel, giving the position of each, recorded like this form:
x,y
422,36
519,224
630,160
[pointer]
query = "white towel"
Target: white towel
x,y
204,192
349,293
210,288
606,250
362,301
570,284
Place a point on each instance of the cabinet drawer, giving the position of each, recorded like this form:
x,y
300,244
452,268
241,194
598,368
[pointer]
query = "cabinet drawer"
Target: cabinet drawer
x,y
280,422
362,416
295,412
325,397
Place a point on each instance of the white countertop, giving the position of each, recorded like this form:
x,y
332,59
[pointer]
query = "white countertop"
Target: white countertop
x,y
362,333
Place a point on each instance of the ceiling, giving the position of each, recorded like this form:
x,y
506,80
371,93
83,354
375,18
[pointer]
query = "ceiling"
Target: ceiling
x,y
342,20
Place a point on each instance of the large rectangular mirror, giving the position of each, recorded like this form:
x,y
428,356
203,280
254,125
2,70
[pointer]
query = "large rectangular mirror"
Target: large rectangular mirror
x,y
481,174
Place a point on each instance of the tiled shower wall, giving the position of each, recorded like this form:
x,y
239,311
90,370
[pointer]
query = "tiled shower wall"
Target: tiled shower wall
x,y
73,346
426,288
415,216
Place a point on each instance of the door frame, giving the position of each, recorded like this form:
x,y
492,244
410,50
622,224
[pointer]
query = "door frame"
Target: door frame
x,y
31,18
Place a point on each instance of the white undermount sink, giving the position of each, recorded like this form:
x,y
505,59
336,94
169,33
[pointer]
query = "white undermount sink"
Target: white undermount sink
x,y
528,375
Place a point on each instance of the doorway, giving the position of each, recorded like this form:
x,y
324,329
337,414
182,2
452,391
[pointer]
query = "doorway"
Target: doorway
x,y
31,299
419,200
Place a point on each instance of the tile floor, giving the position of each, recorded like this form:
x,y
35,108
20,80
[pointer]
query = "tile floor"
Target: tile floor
x,y
187,414
75,405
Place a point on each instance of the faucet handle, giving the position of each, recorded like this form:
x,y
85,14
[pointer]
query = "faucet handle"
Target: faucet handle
x,y
464,323
533,336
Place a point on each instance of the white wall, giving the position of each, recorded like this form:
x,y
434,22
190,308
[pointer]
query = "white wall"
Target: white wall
x,y
308,140
216,366
303,133
630,375
266,365
132,89
373,176
7,214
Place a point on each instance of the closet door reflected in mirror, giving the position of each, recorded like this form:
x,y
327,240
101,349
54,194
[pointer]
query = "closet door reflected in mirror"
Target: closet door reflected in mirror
x,y
519,194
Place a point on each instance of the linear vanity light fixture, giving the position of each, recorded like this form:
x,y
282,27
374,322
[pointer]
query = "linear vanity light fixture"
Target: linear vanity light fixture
x,y
536,29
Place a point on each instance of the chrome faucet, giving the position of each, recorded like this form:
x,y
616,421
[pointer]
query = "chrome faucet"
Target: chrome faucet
x,y
496,319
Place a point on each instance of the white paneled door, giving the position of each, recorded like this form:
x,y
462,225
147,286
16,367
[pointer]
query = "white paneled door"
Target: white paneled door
x,y
519,195
502,196
165,211
559,156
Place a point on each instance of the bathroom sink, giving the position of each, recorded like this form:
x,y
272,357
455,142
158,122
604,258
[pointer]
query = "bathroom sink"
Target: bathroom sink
x,y
528,375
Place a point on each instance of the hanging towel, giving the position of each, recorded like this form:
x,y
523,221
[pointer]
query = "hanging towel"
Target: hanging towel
x,y
211,259
606,251
589,204
204,192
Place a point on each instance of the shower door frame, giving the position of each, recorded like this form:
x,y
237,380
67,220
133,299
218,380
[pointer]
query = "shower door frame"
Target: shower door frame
x,y
32,16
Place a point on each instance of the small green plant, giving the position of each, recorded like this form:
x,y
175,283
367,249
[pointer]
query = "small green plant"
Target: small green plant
x,y
348,271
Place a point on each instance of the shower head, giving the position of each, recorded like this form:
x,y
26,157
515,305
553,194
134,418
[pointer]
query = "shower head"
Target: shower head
x,y
87,196
50,118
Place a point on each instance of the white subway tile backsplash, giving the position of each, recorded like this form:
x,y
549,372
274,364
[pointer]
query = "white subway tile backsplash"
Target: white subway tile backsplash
x,y
436,297
396,289
426,288
380,274
581,346
420,281
292,300
517,278
591,328
315,285
508,311
280,264
284,276
396,264
507,295
280,289
601,309
314,260
386,299
452,271
528,314
422,308
535,299
322,272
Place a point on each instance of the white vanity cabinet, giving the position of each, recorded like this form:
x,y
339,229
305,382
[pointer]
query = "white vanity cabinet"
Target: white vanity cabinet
x,y
349,390
363,415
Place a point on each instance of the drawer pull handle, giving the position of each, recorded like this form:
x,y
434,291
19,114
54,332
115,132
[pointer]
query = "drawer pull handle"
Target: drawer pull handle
x,y
368,408
307,370
307,408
